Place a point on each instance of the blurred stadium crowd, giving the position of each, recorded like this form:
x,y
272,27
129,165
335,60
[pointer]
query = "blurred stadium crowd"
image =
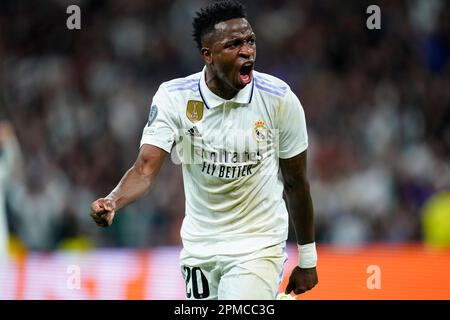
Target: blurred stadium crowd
x,y
377,104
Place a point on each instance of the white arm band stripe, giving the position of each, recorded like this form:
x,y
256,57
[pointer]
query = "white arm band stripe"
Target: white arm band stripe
x,y
307,255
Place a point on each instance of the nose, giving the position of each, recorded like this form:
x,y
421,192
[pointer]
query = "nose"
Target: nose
x,y
247,50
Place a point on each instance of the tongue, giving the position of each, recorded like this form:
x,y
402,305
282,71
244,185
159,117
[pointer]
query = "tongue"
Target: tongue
x,y
245,78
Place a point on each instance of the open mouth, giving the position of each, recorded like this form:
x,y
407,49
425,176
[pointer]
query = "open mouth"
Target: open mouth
x,y
245,73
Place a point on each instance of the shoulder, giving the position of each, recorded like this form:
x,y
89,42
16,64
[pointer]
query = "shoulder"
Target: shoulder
x,y
178,85
174,93
270,84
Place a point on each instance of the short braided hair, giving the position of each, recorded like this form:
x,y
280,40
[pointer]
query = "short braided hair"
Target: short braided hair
x,y
214,13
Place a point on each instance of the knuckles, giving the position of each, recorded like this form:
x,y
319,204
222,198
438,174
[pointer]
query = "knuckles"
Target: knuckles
x,y
101,211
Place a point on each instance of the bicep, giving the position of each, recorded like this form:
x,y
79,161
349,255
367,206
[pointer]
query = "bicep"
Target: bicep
x,y
150,160
293,170
161,128
292,124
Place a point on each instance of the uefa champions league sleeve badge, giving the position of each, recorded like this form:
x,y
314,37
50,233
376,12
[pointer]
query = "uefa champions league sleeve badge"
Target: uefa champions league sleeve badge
x,y
152,115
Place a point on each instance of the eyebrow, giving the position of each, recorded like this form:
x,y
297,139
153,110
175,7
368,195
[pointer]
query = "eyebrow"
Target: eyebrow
x,y
237,38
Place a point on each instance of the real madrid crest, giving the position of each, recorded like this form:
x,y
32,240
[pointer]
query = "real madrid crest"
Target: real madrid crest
x,y
194,110
260,131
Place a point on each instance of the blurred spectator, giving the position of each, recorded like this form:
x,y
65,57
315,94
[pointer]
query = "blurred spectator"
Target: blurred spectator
x,y
38,206
376,101
10,170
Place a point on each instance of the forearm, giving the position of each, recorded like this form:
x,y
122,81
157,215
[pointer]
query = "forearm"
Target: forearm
x,y
132,186
301,210
138,179
12,157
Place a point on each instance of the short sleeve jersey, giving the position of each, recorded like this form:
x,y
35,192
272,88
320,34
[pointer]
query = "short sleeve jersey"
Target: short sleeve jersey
x,y
229,150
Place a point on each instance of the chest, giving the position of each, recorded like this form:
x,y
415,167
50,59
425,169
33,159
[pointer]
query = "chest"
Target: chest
x,y
240,132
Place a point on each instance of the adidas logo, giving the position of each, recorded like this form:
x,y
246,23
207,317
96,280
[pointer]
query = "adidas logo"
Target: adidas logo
x,y
193,132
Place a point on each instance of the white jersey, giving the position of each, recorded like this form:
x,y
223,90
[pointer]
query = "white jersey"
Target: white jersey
x,y
229,151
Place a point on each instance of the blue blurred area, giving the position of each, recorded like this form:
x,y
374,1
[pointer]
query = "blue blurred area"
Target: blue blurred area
x,y
377,104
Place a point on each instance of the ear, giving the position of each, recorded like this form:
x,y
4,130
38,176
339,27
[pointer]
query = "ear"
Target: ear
x,y
207,55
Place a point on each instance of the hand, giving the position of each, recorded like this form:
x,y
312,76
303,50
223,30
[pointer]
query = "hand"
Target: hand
x,y
302,280
103,211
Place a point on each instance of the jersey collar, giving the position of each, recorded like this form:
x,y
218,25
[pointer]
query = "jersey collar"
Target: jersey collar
x,y
211,100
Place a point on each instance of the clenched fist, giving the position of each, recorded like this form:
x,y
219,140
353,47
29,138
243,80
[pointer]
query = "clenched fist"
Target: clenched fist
x,y
302,280
103,211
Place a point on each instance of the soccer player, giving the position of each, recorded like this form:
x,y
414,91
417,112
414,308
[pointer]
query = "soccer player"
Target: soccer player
x,y
234,129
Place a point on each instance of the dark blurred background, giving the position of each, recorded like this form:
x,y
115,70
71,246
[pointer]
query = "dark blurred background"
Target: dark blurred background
x,y
377,104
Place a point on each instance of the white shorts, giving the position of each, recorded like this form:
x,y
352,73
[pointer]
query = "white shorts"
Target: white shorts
x,y
254,276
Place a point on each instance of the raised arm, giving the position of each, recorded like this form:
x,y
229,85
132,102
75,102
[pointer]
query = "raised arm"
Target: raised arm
x,y
11,159
298,196
134,184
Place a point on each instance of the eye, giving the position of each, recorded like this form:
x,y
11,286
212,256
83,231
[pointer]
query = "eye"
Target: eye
x,y
233,44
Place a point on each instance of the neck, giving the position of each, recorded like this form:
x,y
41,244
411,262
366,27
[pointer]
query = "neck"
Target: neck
x,y
217,86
